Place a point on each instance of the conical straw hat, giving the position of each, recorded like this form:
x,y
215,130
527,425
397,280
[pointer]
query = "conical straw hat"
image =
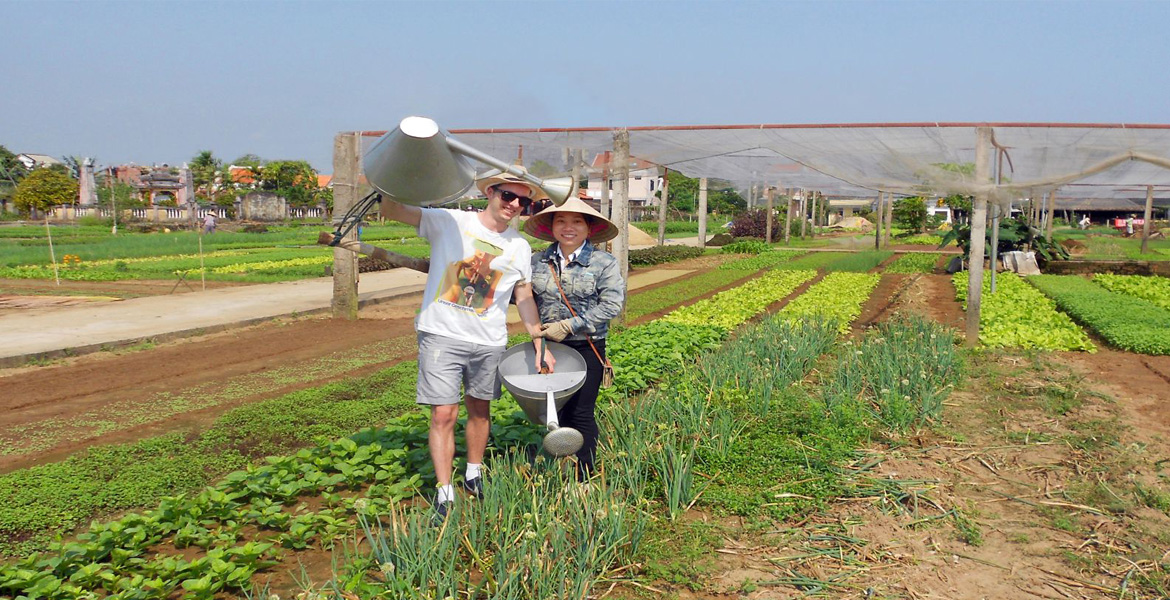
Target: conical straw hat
x,y
601,229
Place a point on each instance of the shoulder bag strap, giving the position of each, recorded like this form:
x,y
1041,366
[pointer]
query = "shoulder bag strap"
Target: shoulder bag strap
x,y
557,280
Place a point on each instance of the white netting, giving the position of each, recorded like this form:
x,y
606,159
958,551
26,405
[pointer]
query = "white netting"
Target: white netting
x,y
860,160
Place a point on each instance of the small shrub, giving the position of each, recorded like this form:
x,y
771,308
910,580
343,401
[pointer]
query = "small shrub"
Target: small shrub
x,y
753,223
662,254
746,247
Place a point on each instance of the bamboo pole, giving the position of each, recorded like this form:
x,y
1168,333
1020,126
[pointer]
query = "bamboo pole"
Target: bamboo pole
x,y
787,215
52,253
1051,224
662,207
605,183
889,218
877,223
702,212
978,231
1148,215
768,193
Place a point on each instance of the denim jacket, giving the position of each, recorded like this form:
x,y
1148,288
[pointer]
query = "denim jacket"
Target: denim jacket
x,y
593,283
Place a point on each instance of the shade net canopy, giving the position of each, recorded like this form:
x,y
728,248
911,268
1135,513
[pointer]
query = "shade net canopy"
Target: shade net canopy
x,y
1080,162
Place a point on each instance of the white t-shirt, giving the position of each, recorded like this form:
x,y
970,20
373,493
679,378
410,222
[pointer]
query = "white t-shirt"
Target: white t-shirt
x,y
473,271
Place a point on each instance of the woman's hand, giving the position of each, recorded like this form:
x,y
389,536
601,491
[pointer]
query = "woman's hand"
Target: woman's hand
x,y
557,331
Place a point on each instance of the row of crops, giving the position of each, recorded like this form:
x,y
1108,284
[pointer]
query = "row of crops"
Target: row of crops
x,y
724,400
1047,312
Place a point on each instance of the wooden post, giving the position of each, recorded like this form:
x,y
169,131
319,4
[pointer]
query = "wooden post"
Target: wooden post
x,y
1051,223
662,207
889,219
768,193
787,215
877,223
346,153
978,231
1148,215
620,207
702,212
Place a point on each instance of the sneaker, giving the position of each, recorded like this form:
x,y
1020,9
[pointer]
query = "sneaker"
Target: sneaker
x,y
442,510
474,487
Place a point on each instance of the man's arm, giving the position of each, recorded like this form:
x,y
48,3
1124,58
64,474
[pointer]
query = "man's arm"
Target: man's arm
x,y
411,215
526,306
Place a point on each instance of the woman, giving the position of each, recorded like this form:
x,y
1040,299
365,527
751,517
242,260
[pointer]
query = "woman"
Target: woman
x,y
578,289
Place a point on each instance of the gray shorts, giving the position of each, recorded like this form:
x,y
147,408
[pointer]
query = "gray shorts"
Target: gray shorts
x,y
444,364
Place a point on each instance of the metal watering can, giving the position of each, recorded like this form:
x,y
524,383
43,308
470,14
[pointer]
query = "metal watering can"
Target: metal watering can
x,y
541,394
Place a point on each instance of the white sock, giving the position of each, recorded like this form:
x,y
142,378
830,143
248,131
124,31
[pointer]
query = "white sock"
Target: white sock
x,y
472,471
446,493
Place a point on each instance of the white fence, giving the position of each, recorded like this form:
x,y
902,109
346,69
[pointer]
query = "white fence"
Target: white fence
x,y
159,214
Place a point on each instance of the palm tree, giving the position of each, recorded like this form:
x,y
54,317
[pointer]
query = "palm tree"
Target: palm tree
x,y
204,169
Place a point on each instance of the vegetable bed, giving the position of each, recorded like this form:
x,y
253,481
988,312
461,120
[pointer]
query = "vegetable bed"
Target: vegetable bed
x,y
914,263
838,297
1124,321
1154,289
1018,316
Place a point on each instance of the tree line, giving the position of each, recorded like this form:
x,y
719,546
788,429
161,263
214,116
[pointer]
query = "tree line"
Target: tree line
x,y
214,182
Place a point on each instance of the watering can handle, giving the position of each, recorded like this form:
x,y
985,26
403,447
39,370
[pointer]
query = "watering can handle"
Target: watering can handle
x,y
540,351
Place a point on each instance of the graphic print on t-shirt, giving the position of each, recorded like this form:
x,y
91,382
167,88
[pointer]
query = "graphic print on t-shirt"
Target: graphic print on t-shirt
x,y
470,284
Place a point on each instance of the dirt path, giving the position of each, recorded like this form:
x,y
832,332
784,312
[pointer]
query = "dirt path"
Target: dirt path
x,y
931,296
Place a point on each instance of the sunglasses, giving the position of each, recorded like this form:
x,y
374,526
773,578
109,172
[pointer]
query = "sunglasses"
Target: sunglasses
x,y
508,197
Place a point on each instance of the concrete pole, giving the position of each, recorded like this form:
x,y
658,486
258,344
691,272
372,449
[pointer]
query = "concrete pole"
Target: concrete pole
x,y
812,230
889,219
662,207
994,262
877,222
346,153
1147,216
768,194
621,201
605,184
702,212
787,215
1050,224
978,231
803,213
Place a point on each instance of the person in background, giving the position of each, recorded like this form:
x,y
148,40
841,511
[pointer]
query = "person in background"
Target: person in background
x,y
1129,225
477,264
578,288
209,223
1085,222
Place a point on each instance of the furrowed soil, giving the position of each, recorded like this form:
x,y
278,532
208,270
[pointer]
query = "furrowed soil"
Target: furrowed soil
x,y
1031,486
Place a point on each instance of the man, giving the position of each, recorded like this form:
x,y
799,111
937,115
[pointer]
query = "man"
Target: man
x,y
477,263
209,223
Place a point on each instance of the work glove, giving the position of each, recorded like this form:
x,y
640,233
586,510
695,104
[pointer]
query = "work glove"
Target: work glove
x,y
556,331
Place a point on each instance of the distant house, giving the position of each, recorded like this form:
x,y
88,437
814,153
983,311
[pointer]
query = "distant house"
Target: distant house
x,y
35,161
644,180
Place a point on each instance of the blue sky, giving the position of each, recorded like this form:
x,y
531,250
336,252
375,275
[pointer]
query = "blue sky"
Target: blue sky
x,y
155,82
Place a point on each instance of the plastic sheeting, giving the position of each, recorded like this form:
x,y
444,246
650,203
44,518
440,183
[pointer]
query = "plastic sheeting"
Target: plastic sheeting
x,y
1079,161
